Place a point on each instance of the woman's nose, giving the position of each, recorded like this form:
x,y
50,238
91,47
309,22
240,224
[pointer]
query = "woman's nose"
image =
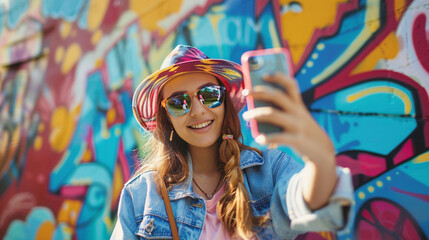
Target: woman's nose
x,y
197,107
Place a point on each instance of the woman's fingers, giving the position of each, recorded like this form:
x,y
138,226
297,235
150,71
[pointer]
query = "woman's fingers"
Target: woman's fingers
x,y
289,84
288,98
300,130
277,138
274,96
273,116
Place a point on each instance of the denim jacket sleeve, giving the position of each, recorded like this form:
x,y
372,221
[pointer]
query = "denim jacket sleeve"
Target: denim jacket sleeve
x,y
125,224
291,215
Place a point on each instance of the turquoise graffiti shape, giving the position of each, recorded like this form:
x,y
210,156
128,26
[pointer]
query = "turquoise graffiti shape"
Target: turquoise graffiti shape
x,y
28,229
68,10
375,122
71,172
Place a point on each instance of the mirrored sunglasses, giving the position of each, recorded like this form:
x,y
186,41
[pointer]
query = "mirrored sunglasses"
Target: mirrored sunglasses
x,y
179,104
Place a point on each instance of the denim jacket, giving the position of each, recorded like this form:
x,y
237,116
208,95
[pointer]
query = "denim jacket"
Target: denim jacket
x,y
273,183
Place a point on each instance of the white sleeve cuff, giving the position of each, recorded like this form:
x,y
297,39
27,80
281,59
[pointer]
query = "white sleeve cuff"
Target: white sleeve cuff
x,y
328,218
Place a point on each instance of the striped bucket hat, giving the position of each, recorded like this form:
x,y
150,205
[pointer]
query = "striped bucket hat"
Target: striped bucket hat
x,y
182,60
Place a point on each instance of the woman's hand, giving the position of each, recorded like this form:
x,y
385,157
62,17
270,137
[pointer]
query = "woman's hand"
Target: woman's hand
x,y
301,132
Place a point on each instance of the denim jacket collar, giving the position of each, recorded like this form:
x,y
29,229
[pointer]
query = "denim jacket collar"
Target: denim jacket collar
x,y
248,159
183,189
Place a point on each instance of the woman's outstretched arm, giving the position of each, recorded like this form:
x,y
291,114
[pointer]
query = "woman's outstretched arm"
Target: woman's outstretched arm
x,y
301,132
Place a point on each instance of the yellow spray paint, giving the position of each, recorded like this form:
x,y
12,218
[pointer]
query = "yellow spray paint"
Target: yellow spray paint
x,y
62,127
388,49
298,27
72,55
96,13
152,12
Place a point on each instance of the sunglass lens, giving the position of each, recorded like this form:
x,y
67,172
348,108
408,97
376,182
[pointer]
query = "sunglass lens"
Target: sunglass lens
x,y
178,105
211,96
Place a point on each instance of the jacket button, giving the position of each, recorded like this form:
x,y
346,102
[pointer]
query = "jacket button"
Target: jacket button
x,y
149,227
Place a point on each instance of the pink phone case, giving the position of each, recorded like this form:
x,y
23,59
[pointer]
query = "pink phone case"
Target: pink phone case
x,y
274,60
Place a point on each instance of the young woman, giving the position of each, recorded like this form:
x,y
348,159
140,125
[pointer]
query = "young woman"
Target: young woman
x,y
220,188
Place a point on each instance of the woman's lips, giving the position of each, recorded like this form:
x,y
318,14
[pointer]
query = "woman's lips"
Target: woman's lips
x,y
201,125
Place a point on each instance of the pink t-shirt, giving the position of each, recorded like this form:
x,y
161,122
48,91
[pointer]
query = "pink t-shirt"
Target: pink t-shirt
x,y
213,227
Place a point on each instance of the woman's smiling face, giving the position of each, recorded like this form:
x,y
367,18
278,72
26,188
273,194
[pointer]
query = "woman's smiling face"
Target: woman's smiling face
x,y
201,126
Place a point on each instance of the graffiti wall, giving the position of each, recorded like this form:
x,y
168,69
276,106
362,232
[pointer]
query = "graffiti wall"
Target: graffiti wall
x,y
68,139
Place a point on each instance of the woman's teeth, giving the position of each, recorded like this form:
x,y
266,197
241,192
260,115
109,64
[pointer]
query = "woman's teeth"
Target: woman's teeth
x,y
201,125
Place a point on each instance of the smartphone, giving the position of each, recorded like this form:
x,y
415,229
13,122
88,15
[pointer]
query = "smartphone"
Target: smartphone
x,y
257,64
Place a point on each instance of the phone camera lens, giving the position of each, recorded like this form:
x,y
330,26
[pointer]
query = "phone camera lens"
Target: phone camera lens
x,y
256,63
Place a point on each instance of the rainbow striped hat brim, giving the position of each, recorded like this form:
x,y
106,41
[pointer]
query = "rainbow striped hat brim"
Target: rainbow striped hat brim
x,y
182,60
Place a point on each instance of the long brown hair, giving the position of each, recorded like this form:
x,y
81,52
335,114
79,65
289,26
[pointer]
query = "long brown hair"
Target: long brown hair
x,y
168,158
